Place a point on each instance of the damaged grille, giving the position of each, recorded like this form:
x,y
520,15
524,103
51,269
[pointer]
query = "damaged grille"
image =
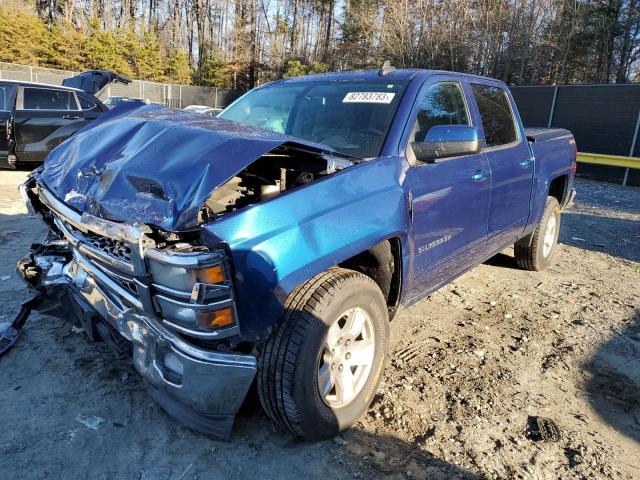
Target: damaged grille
x,y
111,256
115,254
115,248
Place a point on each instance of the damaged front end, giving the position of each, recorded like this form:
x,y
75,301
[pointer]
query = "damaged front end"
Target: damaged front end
x,y
167,302
129,202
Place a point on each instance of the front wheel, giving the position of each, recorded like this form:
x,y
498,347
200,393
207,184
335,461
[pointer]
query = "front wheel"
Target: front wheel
x,y
535,251
319,370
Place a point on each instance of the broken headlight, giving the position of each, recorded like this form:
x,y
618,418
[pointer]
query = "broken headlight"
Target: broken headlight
x,y
193,293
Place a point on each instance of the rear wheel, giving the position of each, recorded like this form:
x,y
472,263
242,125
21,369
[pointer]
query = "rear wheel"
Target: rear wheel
x,y
535,251
320,369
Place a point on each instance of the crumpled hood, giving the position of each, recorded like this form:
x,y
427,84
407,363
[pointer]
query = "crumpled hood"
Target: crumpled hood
x,y
153,164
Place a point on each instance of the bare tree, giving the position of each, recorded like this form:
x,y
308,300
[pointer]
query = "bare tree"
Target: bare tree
x,y
519,41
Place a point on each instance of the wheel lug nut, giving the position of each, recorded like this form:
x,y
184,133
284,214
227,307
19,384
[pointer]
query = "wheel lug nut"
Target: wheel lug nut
x,y
340,367
347,343
348,355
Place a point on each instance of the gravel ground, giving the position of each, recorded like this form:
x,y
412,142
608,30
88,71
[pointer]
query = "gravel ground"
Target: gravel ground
x,y
469,365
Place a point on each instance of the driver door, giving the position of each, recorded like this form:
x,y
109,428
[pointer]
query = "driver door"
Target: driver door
x,y
449,198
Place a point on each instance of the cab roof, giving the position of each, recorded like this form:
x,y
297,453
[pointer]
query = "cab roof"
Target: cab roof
x,y
25,83
353,75
399,74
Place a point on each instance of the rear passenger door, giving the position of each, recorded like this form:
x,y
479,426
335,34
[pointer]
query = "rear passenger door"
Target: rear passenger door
x,y
511,165
44,118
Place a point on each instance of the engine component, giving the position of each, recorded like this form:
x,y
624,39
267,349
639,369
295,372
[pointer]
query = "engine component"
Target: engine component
x,y
280,170
303,179
226,195
269,191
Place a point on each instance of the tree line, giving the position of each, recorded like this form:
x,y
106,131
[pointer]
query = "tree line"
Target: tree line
x,y
241,43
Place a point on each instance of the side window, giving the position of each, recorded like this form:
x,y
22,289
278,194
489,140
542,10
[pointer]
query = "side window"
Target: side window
x,y
6,92
48,99
497,119
86,103
443,104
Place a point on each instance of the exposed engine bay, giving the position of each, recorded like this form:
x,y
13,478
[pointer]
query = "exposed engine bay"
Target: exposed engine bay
x,y
280,170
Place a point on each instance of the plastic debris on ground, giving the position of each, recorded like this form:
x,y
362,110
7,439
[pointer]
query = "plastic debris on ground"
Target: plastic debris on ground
x,y
541,428
92,422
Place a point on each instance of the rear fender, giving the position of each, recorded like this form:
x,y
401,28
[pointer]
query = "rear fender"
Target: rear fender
x,y
554,159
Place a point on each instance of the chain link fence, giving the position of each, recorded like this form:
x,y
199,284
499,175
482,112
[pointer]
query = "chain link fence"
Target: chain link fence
x,y
178,96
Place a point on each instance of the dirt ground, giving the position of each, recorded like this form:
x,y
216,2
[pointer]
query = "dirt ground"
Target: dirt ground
x,y
469,365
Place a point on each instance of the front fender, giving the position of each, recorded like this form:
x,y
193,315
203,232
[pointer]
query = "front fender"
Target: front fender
x,y
279,244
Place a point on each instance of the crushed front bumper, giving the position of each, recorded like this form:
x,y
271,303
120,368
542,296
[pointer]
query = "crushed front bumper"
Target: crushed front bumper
x,y
202,387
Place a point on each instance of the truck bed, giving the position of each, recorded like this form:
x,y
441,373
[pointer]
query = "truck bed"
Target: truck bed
x,y
554,150
546,134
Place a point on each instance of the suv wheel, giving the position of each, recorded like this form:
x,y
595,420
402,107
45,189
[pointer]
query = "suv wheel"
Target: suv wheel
x,y
319,370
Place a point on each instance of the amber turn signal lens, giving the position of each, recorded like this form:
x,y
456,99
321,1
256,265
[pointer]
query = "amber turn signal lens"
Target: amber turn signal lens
x,y
216,319
211,275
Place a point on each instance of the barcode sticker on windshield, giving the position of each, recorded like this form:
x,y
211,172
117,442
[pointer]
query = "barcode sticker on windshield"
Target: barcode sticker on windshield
x,y
368,97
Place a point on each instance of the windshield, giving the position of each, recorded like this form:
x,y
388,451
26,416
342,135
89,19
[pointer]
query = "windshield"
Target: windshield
x,y
350,117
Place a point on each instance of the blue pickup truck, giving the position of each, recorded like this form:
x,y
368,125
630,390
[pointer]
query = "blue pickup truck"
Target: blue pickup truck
x,y
274,243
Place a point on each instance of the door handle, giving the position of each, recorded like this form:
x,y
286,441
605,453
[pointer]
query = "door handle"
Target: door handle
x,y
526,163
71,117
481,175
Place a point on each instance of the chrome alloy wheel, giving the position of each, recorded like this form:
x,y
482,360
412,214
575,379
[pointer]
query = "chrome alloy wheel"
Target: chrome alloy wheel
x,y
347,357
549,235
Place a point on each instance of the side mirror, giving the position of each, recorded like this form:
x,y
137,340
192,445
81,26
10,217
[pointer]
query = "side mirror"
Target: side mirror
x,y
444,141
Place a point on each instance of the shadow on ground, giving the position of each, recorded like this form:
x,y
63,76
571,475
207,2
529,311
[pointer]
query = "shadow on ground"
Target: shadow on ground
x,y
593,194
54,375
357,453
614,386
503,260
615,236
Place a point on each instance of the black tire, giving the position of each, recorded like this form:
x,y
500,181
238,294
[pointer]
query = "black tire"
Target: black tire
x,y
288,362
529,251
